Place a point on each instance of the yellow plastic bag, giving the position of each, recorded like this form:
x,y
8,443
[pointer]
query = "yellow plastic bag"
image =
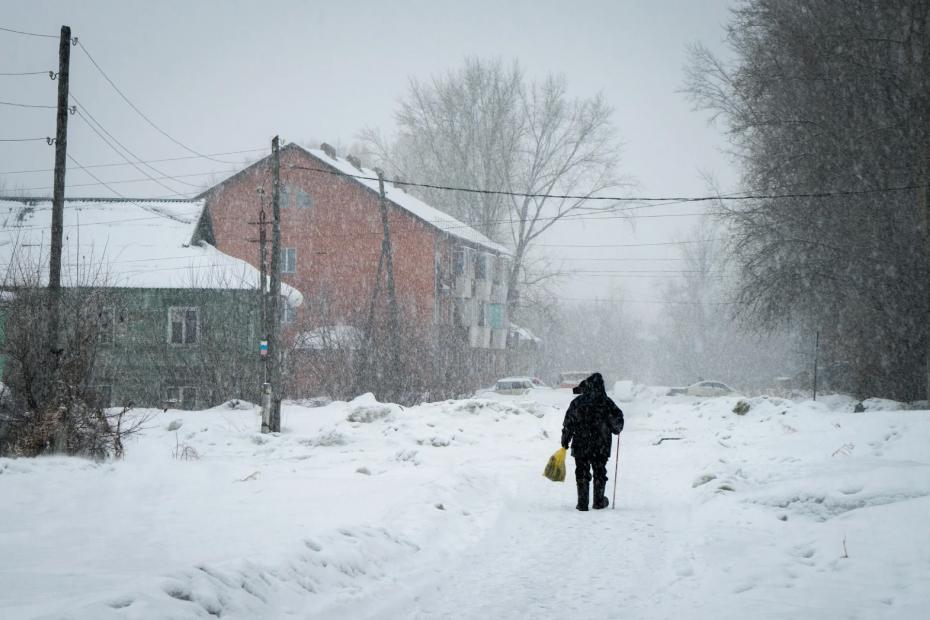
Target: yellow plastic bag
x,y
555,468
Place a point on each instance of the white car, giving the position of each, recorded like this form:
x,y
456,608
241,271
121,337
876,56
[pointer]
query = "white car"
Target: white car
x,y
704,388
514,386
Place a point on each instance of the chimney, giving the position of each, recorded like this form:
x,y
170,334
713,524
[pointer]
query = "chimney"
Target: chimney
x,y
355,161
329,150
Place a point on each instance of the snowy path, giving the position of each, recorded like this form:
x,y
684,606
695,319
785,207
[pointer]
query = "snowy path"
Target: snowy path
x,y
441,511
542,559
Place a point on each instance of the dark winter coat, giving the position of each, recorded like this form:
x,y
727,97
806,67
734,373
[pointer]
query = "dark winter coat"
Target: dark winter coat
x,y
590,420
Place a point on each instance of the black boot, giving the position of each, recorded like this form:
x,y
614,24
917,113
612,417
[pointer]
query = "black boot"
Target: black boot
x,y
600,500
582,496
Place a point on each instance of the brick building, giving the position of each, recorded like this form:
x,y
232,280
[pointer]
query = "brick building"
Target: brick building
x,y
449,278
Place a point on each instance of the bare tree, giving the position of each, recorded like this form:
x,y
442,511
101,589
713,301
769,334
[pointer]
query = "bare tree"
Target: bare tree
x,y
485,126
700,335
67,414
831,101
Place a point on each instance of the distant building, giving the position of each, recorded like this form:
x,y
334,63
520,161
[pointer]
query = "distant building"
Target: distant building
x,y
178,323
451,280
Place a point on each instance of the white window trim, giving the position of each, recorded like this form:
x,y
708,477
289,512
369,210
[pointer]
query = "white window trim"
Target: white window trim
x,y
171,309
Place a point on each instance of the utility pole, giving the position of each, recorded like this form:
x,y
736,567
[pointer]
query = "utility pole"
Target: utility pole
x,y
58,195
392,294
816,352
263,256
923,207
273,317
58,212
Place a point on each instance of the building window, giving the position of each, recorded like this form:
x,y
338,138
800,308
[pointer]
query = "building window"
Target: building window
x,y
183,325
500,270
181,397
105,326
304,201
496,316
481,266
288,312
458,262
482,314
464,312
288,260
284,196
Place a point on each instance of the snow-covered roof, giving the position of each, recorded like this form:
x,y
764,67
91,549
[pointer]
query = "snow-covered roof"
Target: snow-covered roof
x,y
120,243
522,333
419,209
330,337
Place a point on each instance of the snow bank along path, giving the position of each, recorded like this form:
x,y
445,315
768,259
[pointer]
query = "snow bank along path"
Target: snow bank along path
x,y
366,510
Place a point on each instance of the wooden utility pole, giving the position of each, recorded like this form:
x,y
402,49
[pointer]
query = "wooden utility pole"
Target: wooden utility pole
x,y
58,214
923,208
263,259
816,354
363,367
392,294
273,317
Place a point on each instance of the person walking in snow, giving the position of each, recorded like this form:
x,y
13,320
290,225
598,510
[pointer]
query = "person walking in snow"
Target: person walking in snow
x,y
589,422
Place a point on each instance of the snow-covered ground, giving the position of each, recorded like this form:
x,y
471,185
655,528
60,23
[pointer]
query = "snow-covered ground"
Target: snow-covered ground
x,y
363,510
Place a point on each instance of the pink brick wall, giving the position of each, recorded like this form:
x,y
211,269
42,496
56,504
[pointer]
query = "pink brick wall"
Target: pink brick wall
x,y
338,240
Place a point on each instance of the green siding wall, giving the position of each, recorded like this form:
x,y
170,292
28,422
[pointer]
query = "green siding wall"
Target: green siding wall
x,y
140,364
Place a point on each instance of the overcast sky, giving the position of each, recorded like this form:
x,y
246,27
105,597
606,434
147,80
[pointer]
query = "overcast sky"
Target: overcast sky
x,y
227,76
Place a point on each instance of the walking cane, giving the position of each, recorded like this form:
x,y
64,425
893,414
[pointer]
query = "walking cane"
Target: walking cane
x,y
616,468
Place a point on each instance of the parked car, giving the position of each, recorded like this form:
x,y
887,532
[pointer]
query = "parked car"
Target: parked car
x,y
703,388
514,386
571,378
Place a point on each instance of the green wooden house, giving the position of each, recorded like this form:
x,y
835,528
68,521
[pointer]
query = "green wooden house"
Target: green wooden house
x,y
177,323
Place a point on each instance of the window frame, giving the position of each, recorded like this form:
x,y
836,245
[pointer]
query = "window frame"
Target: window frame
x,y
101,330
307,198
458,262
481,266
178,391
288,312
185,342
284,261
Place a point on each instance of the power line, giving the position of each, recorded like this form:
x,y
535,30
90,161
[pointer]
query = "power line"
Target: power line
x,y
243,268
27,105
624,245
148,161
26,73
117,151
613,259
88,118
101,223
140,180
123,146
669,199
140,113
652,301
106,185
46,139
29,34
